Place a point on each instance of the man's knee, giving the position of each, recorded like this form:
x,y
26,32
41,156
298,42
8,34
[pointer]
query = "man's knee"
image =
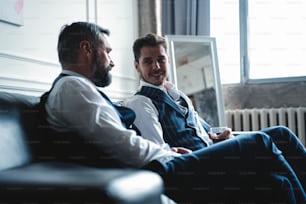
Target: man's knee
x,y
265,142
277,130
262,138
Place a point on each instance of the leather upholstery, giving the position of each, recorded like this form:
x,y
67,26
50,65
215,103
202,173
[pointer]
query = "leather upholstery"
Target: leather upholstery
x,y
16,117
29,172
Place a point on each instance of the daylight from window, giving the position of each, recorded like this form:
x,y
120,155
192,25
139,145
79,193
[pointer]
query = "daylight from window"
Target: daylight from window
x,y
224,26
276,38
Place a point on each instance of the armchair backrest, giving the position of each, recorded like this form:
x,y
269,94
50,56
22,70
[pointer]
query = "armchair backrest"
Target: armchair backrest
x,y
17,117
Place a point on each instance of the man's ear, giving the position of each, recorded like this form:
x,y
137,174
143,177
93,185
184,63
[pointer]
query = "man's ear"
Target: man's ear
x,y
136,65
85,47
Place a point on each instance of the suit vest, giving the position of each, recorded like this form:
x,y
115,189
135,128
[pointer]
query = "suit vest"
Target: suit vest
x,y
179,128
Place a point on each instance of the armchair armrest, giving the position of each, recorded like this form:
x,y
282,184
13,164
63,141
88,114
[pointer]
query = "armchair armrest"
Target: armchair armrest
x,y
69,183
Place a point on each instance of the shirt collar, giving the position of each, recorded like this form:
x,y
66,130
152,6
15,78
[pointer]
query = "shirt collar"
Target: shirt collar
x,y
169,89
72,73
143,83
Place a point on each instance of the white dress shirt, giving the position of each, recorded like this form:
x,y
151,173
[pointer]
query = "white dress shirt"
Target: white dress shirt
x,y
75,104
147,115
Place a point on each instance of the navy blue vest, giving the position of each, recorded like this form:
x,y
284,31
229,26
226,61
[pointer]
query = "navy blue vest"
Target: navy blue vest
x,y
179,129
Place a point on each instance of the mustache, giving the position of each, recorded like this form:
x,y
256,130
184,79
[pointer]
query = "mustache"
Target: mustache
x,y
158,72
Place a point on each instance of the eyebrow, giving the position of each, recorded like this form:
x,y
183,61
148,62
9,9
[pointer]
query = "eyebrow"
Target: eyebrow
x,y
147,58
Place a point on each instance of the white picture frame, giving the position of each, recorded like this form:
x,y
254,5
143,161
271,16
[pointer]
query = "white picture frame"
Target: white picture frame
x,y
11,11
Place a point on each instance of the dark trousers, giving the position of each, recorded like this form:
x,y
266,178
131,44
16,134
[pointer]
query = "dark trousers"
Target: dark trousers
x,y
292,149
247,169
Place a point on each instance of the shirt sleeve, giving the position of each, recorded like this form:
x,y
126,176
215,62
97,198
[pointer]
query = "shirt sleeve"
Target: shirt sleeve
x,y
76,105
146,118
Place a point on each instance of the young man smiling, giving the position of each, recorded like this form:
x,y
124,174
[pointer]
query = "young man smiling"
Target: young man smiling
x,y
167,117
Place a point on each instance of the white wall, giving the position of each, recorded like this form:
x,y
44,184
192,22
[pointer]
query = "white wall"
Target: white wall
x,y
28,57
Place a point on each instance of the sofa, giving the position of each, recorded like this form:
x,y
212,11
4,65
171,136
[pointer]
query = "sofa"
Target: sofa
x,y
29,175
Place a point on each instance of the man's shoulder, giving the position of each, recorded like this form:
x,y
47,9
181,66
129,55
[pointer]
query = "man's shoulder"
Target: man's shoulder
x,y
73,86
136,98
75,82
136,101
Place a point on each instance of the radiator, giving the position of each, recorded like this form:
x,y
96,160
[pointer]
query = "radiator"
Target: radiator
x,y
256,119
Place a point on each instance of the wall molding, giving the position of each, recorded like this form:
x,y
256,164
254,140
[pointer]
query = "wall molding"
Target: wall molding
x,y
49,63
37,87
28,59
17,80
23,86
21,89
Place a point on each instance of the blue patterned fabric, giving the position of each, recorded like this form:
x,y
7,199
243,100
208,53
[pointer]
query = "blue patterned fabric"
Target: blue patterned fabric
x,y
179,129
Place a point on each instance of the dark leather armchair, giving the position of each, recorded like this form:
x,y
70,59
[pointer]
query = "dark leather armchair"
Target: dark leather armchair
x,y
26,176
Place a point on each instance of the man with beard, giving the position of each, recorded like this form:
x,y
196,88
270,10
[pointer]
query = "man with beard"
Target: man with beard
x,y
75,105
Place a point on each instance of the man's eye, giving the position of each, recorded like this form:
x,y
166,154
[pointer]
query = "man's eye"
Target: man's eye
x,y
148,61
161,60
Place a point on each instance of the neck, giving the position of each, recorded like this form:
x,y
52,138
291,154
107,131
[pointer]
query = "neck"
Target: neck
x,y
78,68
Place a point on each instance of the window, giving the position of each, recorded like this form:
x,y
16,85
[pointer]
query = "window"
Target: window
x,y
271,41
224,26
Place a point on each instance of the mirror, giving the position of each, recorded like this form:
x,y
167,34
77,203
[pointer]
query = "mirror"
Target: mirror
x,y
194,70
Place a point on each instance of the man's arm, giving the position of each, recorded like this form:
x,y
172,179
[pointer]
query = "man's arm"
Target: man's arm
x,y
146,118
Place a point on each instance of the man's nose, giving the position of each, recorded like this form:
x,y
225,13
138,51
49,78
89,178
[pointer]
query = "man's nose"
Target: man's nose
x,y
156,65
112,64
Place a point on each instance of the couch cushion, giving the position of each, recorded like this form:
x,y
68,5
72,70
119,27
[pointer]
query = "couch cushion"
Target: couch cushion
x,y
16,112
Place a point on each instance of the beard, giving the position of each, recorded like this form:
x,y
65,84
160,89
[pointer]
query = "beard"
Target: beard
x,y
102,78
101,73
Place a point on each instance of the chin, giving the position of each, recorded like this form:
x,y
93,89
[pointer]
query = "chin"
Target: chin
x,y
104,83
103,80
157,83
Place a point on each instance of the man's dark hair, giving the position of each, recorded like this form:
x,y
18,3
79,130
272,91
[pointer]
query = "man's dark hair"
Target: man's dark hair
x,y
150,40
70,37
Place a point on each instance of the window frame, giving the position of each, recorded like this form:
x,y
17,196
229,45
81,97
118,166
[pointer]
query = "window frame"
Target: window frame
x,y
244,55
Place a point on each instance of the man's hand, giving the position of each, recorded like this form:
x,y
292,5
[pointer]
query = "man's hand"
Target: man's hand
x,y
227,134
181,150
